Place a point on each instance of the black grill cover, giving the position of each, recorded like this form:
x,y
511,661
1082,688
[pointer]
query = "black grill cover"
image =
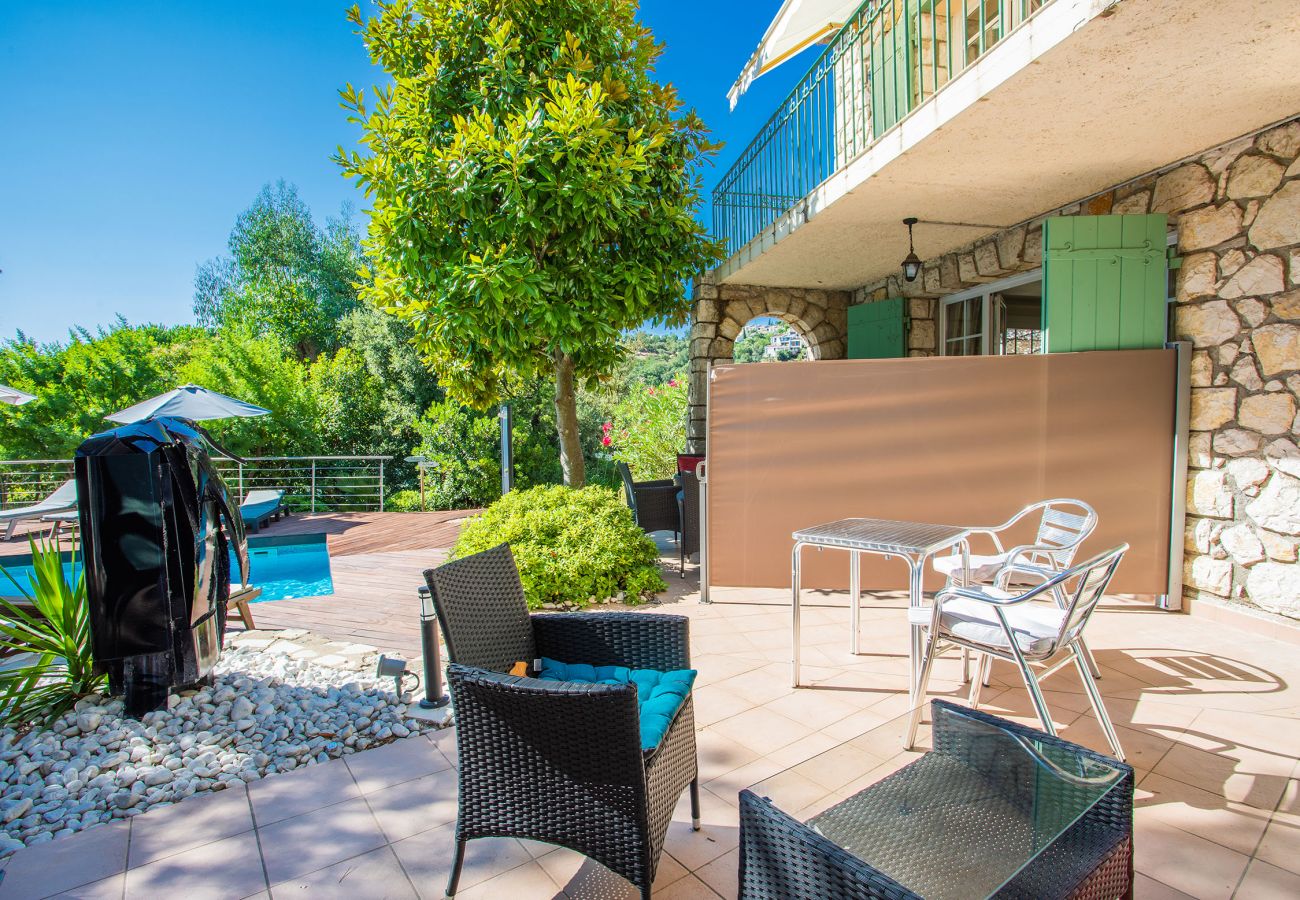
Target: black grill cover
x,y
157,530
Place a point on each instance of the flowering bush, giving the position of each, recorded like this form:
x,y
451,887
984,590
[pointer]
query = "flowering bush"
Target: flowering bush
x,y
649,429
574,546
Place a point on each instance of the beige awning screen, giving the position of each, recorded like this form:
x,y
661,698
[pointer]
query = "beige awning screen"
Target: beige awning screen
x,y
955,440
798,24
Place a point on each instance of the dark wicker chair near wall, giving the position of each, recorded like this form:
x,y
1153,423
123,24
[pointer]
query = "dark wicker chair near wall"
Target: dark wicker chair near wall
x,y
782,858
559,762
653,503
688,505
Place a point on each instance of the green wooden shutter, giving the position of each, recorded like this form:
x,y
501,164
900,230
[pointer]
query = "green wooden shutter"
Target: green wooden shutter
x,y
1105,280
878,330
891,75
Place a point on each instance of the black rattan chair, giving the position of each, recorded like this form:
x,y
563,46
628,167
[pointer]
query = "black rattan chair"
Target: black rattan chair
x,y
782,858
653,503
688,505
559,762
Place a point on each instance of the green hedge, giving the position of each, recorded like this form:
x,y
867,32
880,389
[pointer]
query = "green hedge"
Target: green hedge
x,y
573,546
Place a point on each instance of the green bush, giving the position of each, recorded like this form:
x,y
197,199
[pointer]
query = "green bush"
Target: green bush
x,y
404,501
574,546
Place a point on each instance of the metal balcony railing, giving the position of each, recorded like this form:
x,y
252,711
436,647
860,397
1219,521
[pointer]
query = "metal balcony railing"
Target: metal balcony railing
x,y
891,57
310,483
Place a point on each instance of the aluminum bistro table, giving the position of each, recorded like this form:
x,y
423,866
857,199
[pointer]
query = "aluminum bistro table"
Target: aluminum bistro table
x,y
916,542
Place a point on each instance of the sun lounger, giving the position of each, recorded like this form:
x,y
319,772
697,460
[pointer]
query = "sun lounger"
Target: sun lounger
x,y
62,500
260,507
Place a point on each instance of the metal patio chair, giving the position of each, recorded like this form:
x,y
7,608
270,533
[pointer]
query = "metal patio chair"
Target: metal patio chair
x,y
561,761
1064,524
653,503
1003,624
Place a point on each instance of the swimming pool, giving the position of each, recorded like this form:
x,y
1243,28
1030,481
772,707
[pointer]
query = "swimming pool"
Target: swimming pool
x,y
283,567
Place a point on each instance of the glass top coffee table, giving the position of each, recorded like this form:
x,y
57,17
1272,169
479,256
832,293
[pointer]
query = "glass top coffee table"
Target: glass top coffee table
x,y
996,809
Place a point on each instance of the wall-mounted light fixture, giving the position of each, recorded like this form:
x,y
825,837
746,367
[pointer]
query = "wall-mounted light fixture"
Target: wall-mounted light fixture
x,y
911,262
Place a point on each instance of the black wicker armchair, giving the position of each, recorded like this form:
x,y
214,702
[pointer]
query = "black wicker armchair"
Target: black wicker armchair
x,y
976,795
554,761
688,505
653,503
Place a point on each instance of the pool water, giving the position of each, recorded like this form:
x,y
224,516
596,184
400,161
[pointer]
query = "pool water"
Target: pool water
x,y
283,568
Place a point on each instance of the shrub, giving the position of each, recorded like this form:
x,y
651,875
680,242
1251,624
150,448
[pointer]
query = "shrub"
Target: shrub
x,y
404,501
574,546
56,633
649,429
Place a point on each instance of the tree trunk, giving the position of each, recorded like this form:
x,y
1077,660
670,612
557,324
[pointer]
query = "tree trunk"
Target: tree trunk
x,y
566,423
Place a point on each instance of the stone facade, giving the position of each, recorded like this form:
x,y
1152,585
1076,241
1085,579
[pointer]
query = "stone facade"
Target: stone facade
x,y
1236,209
722,310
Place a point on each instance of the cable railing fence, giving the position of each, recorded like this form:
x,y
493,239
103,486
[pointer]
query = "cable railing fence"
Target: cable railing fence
x,y
310,483
888,59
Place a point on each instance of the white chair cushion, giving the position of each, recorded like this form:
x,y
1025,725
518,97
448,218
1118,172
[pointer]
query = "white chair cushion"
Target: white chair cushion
x,y
1035,625
982,568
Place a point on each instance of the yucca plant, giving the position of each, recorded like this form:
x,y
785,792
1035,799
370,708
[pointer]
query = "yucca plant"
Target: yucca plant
x,y
56,633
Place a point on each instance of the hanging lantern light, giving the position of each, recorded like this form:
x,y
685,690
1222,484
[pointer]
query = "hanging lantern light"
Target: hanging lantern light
x,y
911,262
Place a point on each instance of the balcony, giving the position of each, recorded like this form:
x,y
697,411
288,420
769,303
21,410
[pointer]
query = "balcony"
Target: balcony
x,y
978,114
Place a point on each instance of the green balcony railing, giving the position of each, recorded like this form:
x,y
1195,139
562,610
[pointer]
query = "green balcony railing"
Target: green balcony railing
x,y
891,57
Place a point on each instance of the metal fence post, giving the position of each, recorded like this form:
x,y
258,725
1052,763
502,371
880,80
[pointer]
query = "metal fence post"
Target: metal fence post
x,y
313,484
242,495
381,485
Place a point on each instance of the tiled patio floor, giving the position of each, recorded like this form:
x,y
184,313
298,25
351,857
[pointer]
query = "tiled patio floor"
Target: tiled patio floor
x,y
1207,713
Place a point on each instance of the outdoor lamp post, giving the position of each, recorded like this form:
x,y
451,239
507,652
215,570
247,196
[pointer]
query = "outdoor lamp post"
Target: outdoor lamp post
x,y
507,449
911,262
434,697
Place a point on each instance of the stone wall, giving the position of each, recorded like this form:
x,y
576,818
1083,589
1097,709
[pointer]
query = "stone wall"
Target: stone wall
x,y
1236,208
722,310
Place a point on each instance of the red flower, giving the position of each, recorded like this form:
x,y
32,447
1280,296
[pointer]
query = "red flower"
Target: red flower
x,y
652,392
606,441
607,427
672,382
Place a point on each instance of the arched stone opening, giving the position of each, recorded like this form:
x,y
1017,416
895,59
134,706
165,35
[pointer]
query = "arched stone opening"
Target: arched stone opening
x,y
821,317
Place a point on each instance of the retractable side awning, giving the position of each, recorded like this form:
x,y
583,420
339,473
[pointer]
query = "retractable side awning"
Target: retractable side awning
x,y
798,24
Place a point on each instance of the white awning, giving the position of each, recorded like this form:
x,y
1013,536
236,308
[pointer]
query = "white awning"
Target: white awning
x,y
798,24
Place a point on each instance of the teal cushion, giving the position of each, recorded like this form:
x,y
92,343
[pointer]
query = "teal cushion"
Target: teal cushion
x,y
658,694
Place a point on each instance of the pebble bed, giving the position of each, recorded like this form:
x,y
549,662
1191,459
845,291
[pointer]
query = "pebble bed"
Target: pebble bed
x,y
276,705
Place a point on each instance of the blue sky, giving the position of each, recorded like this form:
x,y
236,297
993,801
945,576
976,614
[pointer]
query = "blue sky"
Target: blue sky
x,y
135,132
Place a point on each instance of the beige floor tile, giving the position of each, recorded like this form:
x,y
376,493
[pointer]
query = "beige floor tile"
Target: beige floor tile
x,y
718,755
289,794
803,749
722,875
839,766
1193,865
815,709
293,847
581,878
1204,814
375,875
729,784
110,888
427,858
1147,888
414,806
713,703
1266,882
67,862
201,819
1281,844
688,888
1223,774
403,760
761,730
223,870
526,882
716,836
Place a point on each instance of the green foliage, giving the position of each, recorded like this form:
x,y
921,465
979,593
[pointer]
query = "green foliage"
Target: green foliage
x,y
56,632
750,348
285,278
649,430
574,546
656,358
404,501
79,382
533,189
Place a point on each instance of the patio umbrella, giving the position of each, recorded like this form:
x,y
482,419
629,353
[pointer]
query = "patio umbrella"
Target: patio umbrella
x,y
13,396
189,402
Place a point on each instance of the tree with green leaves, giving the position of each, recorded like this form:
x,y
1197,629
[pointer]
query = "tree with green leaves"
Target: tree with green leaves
x,y
285,277
533,190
